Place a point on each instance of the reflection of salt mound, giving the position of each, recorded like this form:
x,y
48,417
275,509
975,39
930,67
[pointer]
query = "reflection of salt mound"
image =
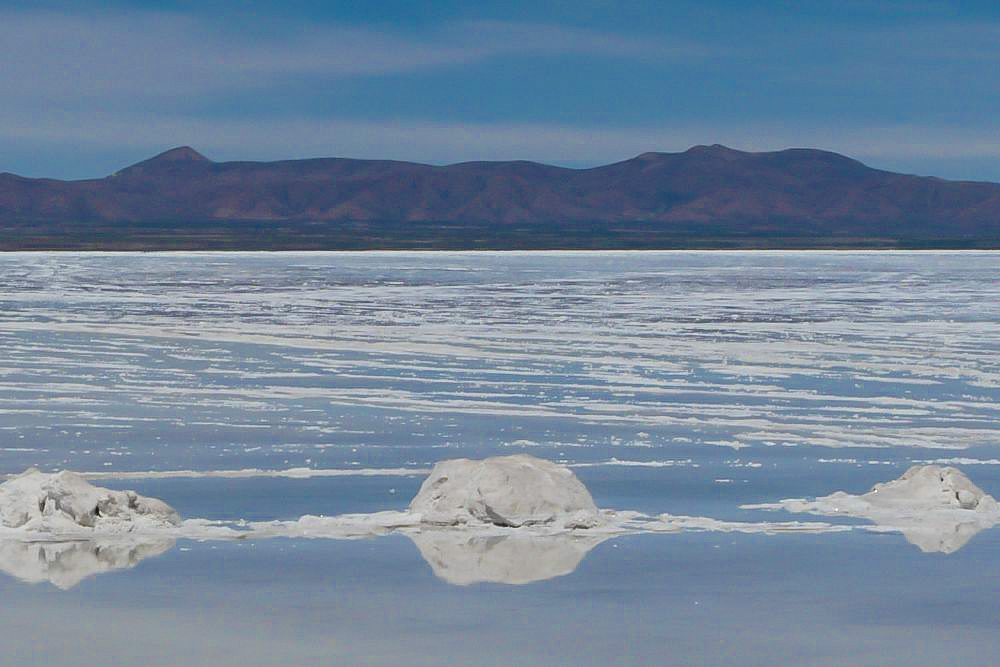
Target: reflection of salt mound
x,y
66,564
462,559
67,503
513,491
937,509
945,537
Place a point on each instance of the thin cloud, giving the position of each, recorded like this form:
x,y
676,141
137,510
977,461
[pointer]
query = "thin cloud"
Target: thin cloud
x,y
74,59
507,38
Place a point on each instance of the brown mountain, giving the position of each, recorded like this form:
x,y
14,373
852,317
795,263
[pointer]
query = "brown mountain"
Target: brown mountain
x,y
706,196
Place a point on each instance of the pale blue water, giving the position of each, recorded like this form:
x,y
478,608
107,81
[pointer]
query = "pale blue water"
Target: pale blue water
x,y
748,377
692,599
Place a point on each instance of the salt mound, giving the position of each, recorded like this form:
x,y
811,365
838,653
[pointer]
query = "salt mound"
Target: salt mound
x,y
932,487
65,502
937,509
512,491
921,489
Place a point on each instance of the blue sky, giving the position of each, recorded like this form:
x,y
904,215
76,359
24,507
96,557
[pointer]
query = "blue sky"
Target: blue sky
x,y
910,86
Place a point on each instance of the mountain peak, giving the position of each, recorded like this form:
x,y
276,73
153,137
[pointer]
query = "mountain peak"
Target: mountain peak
x,y
717,150
179,154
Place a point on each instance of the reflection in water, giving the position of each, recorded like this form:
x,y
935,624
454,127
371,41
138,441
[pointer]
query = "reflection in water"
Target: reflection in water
x,y
66,564
455,557
460,559
940,536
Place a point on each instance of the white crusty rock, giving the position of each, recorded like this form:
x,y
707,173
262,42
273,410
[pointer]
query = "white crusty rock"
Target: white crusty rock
x,y
937,509
64,502
932,487
511,491
921,489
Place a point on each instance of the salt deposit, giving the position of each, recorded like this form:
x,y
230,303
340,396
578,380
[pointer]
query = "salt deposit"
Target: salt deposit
x,y
248,473
511,519
669,523
936,508
340,527
65,503
513,491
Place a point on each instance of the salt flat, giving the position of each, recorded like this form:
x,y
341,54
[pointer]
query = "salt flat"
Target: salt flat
x,y
120,359
251,391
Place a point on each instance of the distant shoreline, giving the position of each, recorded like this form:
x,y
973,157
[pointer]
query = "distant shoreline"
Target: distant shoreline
x,y
9,248
278,236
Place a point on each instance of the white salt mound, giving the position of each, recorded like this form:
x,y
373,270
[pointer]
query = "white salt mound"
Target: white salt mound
x,y
512,491
932,487
65,502
921,489
938,509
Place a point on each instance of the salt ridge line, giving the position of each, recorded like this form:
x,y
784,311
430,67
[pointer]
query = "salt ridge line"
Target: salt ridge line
x,y
246,473
306,473
430,344
816,431
323,341
928,437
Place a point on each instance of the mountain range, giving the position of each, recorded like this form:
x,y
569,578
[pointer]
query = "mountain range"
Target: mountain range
x,y
707,196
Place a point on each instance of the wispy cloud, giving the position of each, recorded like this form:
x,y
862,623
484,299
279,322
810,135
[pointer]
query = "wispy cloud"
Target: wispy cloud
x,y
503,38
77,58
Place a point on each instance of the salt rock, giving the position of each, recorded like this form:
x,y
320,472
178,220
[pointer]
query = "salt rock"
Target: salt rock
x,y
936,508
932,487
510,491
66,502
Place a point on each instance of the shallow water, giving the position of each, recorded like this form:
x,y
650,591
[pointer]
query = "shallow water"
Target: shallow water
x,y
735,377
692,599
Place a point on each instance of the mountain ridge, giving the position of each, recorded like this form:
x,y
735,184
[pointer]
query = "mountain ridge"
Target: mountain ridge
x,y
806,196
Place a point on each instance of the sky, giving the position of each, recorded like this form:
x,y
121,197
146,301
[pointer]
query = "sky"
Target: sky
x,y
88,88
